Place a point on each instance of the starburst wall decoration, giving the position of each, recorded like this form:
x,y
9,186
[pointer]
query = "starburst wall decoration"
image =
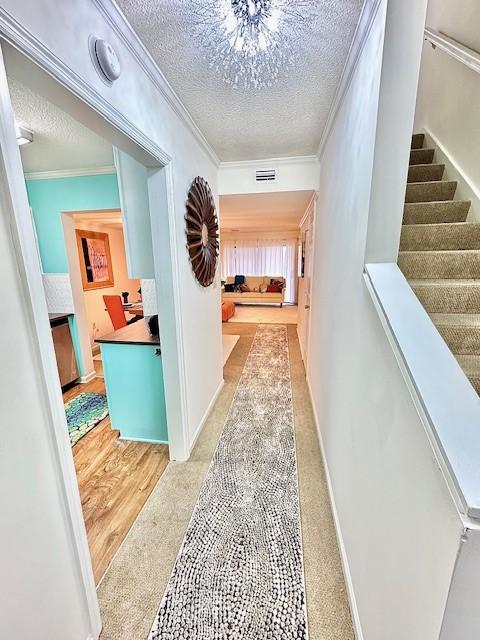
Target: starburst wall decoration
x,y
250,42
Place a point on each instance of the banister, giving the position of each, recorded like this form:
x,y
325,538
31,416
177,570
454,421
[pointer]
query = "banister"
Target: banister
x,y
455,49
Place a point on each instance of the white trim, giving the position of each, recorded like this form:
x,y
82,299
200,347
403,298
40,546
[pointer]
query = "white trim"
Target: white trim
x,y
147,440
239,164
446,402
466,190
70,173
206,414
341,544
119,23
309,209
367,18
88,378
177,293
456,50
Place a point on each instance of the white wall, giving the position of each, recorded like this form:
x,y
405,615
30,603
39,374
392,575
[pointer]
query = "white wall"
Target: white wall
x,y
293,174
449,94
398,527
40,570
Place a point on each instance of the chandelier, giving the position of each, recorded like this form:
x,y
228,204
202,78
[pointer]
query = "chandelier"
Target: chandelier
x,y
249,42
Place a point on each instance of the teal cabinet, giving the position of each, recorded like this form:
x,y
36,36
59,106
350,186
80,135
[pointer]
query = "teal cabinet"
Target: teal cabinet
x,y
135,392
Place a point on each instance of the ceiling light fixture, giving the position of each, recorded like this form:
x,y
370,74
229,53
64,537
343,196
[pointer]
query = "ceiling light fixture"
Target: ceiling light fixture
x,y
23,135
250,41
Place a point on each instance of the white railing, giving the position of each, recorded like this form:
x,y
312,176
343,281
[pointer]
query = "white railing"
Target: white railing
x,y
455,49
445,400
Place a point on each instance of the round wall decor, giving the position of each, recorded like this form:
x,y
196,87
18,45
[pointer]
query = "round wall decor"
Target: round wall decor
x,y
202,231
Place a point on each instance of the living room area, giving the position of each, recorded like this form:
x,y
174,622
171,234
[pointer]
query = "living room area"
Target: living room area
x,y
261,258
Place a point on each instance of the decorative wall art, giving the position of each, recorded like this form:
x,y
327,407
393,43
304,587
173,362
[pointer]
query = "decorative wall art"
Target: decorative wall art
x,y
95,259
202,231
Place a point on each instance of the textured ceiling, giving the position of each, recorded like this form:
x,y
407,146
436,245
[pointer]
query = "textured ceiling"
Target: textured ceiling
x,y
284,120
59,141
263,211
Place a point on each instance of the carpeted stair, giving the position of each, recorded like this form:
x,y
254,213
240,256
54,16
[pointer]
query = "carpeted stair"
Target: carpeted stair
x,y
440,256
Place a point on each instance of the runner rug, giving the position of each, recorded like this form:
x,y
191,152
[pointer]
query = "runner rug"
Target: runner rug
x,y
239,573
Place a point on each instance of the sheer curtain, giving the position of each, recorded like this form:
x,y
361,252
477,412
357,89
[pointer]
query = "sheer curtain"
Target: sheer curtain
x,y
262,258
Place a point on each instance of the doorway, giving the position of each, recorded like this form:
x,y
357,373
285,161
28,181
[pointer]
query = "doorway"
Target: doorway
x,y
28,251
83,261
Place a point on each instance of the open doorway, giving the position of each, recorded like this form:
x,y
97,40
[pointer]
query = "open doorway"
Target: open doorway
x,y
261,250
105,336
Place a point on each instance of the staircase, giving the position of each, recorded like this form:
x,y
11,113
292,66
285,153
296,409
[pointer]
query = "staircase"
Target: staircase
x,y
440,256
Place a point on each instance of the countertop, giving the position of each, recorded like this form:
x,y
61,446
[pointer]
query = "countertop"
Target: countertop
x,y
55,317
135,333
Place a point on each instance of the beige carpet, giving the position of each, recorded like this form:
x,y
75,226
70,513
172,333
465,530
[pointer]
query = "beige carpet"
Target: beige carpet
x,y
134,584
228,344
263,314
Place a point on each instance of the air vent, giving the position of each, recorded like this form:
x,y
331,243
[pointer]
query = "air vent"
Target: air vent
x,y
265,175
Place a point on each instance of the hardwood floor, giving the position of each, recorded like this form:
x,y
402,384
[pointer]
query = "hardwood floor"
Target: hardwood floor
x,y
115,478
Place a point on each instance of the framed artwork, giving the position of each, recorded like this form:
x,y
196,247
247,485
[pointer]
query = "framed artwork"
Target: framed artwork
x,y
95,259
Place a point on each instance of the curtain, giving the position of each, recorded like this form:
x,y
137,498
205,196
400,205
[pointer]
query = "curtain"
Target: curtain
x,y
262,258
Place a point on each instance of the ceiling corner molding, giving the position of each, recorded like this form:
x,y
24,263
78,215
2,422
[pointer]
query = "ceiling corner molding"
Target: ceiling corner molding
x,y
238,164
124,30
70,173
365,22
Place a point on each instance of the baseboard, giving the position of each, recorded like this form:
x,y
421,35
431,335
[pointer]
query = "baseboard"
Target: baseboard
x,y
88,378
341,545
302,353
206,414
466,189
147,440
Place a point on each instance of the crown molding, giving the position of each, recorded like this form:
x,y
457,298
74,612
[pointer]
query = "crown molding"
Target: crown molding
x,y
238,164
365,22
124,30
70,173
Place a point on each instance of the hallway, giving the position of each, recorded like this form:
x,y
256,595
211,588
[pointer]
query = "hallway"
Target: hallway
x,y
132,589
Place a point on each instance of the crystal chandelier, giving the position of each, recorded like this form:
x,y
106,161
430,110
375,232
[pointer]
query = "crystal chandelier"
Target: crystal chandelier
x,y
249,41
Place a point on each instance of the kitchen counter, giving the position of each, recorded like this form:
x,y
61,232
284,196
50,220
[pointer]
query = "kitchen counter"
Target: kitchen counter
x,y
135,333
133,370
58,317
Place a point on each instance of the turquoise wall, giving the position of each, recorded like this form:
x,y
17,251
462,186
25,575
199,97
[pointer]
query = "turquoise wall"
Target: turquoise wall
x,y
50,198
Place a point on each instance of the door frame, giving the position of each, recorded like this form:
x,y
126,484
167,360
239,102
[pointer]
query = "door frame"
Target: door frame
x,y
134,141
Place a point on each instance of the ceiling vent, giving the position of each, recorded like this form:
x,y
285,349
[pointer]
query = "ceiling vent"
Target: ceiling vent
x,y
265,175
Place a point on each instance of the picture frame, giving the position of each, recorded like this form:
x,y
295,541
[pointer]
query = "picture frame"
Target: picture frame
x,y
95,259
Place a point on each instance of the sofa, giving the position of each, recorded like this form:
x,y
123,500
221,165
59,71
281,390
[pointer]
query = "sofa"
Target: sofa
x,y
255,296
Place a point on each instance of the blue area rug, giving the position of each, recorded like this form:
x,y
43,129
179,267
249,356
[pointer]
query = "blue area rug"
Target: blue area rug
x,y
84,412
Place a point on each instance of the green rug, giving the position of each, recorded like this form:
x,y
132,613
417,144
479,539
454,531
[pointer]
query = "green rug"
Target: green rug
x,y
84,412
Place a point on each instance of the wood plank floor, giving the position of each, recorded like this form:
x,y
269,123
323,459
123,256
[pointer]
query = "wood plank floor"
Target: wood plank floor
x,y
115,478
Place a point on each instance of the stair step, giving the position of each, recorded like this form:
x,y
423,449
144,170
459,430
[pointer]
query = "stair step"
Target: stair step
x,y
418,140
430,191
425,172
436,212
440,264
448,296
471,368
446,236
421,156
461,331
